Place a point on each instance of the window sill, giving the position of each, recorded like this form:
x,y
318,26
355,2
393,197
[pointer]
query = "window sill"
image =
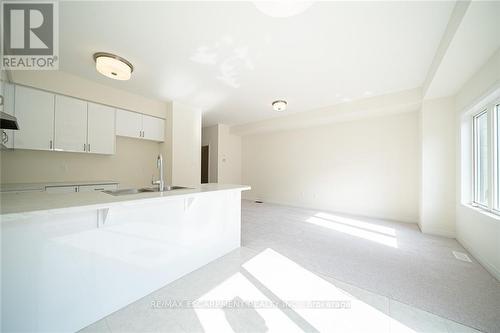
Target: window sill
x,y
483,211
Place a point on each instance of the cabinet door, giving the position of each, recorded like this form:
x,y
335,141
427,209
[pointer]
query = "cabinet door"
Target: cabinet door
x,y
153,128
97,188
70,124
101,129
8,107
128,124
61,189
34,110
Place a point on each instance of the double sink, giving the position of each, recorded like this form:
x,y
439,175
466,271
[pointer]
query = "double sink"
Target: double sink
x,y
144,190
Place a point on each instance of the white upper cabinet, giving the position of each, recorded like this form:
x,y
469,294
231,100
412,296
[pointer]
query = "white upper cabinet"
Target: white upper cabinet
x,y
128,124
136,125
34,110
70,124
55,122
101,129
153,128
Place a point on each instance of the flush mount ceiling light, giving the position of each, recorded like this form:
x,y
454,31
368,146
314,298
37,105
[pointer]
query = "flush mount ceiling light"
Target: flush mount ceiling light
x,y
113,66
282,8
279,105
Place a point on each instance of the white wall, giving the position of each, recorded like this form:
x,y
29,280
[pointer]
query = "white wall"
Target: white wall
x,y
366,167
477,231
133,165
183,145
437,194
229,159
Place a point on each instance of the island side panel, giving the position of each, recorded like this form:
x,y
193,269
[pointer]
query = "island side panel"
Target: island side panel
x,y
64,271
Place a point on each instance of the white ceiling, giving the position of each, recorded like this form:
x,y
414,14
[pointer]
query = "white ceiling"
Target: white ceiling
x,y
232,61
475,41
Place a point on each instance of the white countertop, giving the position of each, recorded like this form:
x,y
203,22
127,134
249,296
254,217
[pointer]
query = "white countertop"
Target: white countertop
x,y
10,187
17,204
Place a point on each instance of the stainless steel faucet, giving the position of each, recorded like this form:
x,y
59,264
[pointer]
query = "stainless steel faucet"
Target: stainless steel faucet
x,y
160,182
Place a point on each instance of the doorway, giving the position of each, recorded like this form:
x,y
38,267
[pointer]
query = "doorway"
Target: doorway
x,y
204,164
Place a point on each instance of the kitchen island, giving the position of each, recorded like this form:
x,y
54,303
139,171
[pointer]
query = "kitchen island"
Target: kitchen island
x,y
70,259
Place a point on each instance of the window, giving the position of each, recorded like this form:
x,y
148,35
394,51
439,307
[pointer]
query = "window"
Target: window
x,y
486,158
481,159
497,159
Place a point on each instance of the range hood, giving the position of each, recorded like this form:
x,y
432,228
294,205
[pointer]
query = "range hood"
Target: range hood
x,y
8,122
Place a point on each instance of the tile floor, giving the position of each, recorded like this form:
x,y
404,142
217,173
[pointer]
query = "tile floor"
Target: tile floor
x,y
267,270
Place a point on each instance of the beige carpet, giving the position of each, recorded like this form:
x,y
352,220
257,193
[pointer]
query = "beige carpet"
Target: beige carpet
x,y
388,258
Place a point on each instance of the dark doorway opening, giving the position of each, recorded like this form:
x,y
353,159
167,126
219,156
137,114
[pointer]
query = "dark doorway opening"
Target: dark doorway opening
x,y
204,164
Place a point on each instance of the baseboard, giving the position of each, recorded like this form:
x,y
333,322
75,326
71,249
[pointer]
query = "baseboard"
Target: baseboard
x,y
489,267
298,205
437,231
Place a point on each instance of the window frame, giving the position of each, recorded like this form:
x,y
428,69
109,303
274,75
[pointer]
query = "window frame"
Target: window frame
x,y
475,161
495,205
492,111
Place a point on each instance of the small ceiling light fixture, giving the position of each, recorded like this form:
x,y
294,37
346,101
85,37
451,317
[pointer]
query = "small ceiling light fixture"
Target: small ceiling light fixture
x,y
113,66
279,105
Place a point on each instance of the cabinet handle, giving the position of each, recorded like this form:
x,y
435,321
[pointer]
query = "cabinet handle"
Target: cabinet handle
x,y
89,147
50,144
140,134
84,147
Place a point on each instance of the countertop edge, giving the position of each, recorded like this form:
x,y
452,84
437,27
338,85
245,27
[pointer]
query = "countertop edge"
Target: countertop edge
x,y
114,203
